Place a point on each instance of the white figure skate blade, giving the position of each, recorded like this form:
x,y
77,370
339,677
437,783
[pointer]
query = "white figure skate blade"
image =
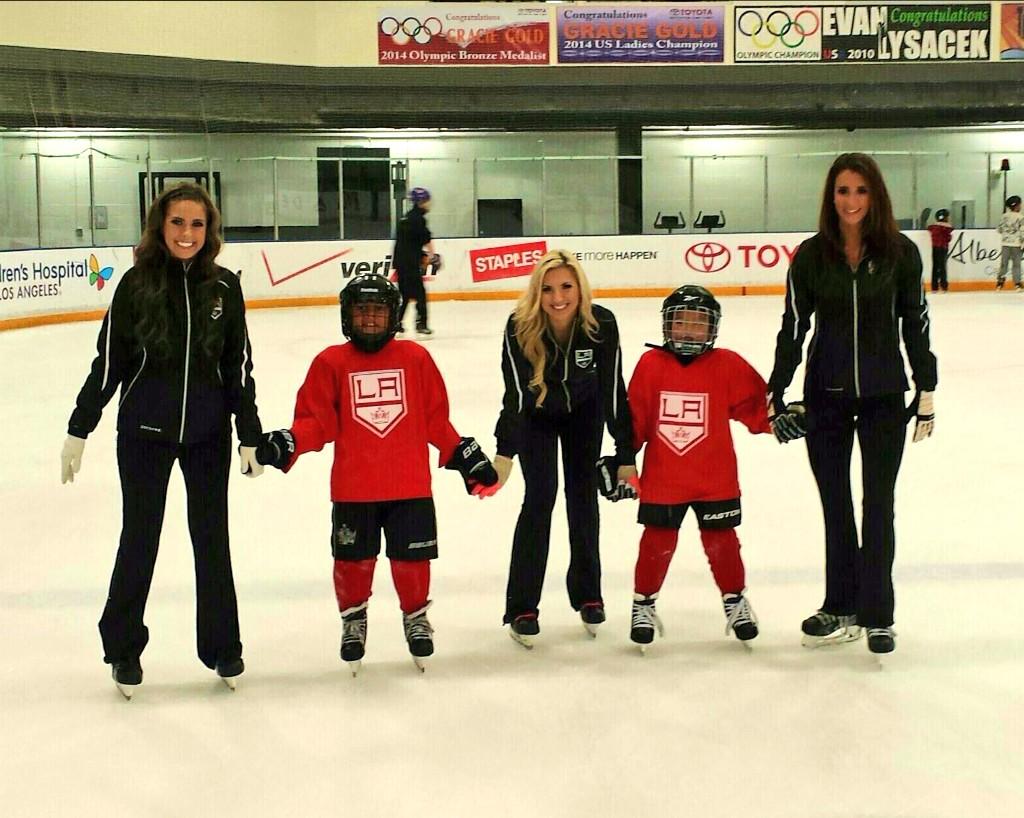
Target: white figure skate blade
x,y
525,641
591,629
126,690
420,662
840,638
354,666
230,681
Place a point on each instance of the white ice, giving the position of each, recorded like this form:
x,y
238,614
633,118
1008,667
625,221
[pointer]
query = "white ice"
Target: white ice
x,y
577,727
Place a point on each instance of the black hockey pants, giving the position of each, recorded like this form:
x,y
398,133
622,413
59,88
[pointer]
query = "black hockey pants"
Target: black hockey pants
x,y
145,470
858,580
410,285
580,435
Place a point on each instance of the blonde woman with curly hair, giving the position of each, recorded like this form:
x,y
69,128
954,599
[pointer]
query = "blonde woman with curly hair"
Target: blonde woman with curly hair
x,y
563,382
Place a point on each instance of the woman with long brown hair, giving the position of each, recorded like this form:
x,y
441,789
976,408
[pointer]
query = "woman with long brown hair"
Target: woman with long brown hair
x,y
175,340
861,280
563,383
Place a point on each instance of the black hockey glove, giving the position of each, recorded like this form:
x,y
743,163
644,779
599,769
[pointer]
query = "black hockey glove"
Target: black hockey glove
x,y
276,448
609,483
790,423
476,469
435,263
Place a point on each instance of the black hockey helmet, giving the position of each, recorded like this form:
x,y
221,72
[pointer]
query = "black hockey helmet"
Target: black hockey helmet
x,y
941,215
1012,202
689,321
369,288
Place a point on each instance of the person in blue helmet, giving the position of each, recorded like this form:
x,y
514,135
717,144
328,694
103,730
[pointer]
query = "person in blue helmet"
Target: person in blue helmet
x,y
413,245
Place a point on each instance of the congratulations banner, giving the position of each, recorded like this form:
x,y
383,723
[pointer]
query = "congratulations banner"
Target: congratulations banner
x,y
463,34
631,34
863,33
1011,32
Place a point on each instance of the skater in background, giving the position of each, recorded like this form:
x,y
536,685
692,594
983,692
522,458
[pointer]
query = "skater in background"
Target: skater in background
x,y
941,231
682,396
380,401
860,279
1011,236
413,242
175,340
562,368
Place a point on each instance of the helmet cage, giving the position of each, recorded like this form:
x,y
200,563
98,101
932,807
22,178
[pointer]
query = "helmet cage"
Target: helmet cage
x,y
369,289
689,329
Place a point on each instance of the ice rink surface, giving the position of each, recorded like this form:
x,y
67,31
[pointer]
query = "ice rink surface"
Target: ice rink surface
x,y
577,727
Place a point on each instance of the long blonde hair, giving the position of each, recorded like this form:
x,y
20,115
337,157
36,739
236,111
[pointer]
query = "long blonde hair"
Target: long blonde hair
x,y
532,322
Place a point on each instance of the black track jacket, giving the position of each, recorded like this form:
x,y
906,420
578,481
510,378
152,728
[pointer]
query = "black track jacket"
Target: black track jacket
x,y
586,376
858,319
410,236
188,396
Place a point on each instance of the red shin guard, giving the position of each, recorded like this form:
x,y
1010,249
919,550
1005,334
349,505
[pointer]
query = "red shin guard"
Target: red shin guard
x,y
353,582
722,548
657,545
412,582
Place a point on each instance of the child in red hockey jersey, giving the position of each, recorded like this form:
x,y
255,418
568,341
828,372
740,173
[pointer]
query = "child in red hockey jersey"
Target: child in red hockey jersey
x,y
682,396
380,401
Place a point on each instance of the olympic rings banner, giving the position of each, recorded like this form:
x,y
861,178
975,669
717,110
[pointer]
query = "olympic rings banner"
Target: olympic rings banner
x,y
463,34
631,34
856,32
1012,32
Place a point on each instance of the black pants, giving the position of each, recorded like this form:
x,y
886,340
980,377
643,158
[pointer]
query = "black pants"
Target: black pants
x,y
858,580
580,435
410,285
939,281
145,469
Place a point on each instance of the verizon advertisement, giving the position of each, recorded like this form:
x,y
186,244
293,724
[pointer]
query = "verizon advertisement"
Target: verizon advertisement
x,y
53,282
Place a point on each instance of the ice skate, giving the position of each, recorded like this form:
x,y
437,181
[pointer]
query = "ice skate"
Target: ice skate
x,y
592,614
353,636
881,642
829,629
423,332
419,636
740,617
523,628
230,671
645,620
127,676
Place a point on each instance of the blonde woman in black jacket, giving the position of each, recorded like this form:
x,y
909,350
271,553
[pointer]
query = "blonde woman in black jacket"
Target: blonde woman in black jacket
x,y
562,367
175,340
861,281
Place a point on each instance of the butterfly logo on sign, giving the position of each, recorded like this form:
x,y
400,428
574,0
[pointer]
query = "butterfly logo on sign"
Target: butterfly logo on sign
x,y
682,419
98,276
378,399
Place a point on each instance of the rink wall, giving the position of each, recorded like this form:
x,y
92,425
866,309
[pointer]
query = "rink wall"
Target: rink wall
x,y
76,284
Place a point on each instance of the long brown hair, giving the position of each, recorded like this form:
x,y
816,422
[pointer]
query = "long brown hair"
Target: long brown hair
x,y
532,322
879,230
153,260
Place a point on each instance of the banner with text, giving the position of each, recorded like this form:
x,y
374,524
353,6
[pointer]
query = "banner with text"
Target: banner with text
x,y
463,34
51,282
855,32
1011,32
631,34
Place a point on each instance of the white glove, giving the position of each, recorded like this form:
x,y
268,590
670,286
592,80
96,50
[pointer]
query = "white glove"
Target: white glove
x,y
250,466
925,416
503,466
71,458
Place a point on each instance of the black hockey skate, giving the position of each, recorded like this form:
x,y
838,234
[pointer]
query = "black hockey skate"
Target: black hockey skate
x,y
523,628
739,616
881,640
419,635
424,331
353,636
829,629
127,675
644,621
592,614
230,670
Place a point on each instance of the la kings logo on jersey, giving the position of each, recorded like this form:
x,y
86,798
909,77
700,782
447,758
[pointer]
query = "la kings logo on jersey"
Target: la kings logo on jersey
x,y
682,419
378,399
584,358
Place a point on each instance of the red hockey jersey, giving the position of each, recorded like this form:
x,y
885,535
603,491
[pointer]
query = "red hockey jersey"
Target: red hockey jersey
x,y
380,410
682,413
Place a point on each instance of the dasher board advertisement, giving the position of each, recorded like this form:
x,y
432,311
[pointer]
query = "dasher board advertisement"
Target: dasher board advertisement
x,y
859,32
